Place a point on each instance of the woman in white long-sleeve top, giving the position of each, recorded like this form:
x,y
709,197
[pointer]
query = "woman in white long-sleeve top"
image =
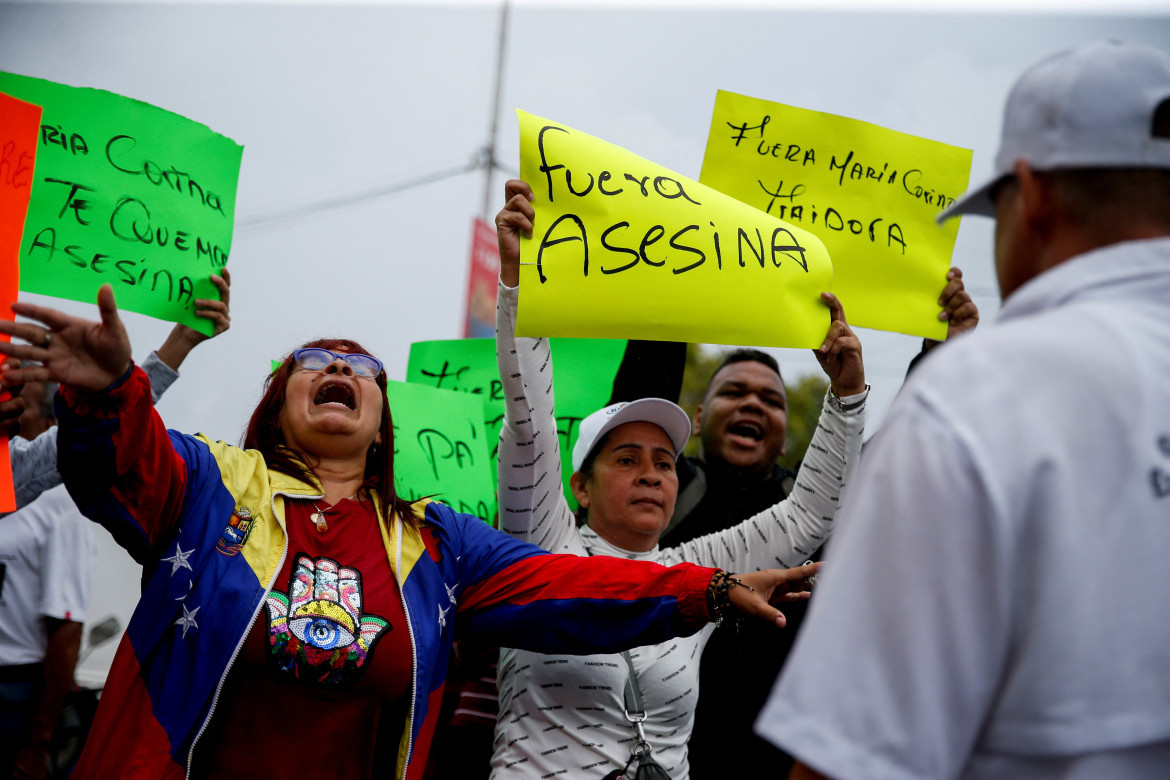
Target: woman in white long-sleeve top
x,y
564,715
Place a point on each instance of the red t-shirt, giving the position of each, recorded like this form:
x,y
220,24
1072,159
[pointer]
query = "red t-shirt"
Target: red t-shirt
x,y
328,652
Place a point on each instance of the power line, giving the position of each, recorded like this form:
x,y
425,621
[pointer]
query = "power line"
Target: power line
x,y
484,159
319,208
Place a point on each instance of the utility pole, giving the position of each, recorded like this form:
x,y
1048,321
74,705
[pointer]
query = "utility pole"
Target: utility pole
x,y
489,162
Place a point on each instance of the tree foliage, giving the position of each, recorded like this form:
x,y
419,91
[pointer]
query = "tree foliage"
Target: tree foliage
x,y
804,401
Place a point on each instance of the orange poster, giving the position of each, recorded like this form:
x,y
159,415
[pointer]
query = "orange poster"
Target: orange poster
x,y
20,124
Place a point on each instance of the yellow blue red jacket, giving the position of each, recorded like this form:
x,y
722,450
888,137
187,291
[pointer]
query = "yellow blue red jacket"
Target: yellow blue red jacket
x,y
206,520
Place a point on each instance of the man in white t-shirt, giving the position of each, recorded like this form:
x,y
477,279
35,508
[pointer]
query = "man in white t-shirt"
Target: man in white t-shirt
x,y
1022,478
46,565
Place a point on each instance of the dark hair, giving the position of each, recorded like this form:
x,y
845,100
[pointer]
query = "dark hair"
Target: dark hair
x,y
1107,197
745,355
264,434
1160,124
586,470
1103,197
46,400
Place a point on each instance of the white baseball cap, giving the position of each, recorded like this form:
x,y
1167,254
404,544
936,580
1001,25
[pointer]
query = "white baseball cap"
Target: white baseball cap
x,y
1088,107
666,415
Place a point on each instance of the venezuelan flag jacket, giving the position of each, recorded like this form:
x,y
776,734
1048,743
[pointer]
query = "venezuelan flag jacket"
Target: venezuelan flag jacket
x,y
207,522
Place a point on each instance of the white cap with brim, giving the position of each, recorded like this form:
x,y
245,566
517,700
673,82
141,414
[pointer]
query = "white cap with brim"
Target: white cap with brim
x,y
1088,107
666,415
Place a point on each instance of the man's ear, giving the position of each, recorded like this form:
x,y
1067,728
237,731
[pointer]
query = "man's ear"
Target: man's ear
x,y
697,420
577,484
1036,196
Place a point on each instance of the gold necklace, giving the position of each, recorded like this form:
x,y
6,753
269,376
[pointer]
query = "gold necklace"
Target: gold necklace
x,y
318,517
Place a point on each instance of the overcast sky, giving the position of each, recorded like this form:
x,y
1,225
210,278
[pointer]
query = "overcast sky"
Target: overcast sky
x,y
333,101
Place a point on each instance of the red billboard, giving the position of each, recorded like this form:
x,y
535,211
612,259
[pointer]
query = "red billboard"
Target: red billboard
x,y
480,319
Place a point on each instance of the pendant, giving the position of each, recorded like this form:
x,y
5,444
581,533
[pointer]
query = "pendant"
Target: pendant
x,y
318,519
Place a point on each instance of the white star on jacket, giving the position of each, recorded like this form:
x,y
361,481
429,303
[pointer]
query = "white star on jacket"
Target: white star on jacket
x,y
179,559
443,617
187,621
450,593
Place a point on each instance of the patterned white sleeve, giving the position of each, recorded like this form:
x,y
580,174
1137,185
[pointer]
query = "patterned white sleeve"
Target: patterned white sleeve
x,y
34,466
160,374
34,463
532,505
786,534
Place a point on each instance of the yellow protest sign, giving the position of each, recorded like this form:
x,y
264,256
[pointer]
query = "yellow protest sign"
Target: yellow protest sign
x,y
624,248
869,193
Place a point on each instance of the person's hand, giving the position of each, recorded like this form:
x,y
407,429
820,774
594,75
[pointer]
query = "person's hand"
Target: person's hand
x,y
959,310
513,221
210,309
840,354
80,353
770,586
31,763
183,339
11,404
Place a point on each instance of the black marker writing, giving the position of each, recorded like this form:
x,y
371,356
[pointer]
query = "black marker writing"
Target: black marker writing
x,y
78,205
119,154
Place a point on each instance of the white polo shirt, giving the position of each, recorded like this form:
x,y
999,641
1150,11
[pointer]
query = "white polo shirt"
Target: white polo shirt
x,y
46,567
995,599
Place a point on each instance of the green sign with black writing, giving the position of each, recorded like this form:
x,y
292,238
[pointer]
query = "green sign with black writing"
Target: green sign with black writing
x,y
441,450
583,375
128,194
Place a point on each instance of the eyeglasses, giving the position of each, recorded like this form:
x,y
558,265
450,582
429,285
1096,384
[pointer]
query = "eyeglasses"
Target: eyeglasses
x,y
317,359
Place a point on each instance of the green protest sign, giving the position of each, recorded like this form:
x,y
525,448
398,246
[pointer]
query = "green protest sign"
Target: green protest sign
x,y
129,194
441,449
583,374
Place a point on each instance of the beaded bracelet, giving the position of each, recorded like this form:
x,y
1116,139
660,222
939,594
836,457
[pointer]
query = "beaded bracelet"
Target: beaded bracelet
x,y
719,596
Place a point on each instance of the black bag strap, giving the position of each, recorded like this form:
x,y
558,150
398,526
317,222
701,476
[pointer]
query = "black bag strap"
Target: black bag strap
x,y
633,694
635,714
